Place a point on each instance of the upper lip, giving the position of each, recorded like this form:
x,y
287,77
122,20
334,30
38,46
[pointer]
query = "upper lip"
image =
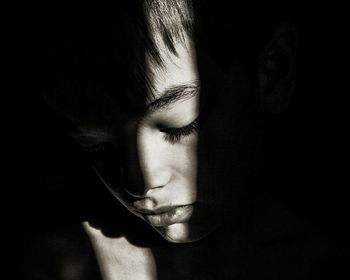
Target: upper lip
x,y
173,215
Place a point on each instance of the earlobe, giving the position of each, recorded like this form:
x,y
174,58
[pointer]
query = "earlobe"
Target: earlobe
x,y
277,69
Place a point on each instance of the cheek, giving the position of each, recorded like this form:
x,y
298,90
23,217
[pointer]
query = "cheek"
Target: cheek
x,y
184,157
184,167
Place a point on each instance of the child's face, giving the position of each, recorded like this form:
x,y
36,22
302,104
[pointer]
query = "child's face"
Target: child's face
x,y
159,162
176,178
165,150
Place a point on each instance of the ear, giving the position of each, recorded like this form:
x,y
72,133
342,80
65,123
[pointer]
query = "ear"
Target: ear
x,y
277,69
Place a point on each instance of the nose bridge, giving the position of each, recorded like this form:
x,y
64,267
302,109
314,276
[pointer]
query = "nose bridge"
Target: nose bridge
x,y
152,159
145,162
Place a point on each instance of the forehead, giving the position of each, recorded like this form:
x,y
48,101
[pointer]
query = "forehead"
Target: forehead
x,y
176,69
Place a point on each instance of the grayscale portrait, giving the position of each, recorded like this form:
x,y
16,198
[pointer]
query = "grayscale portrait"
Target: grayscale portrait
x,y
176,139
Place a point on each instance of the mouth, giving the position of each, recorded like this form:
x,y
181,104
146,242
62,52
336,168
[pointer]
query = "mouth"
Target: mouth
x,y
167,216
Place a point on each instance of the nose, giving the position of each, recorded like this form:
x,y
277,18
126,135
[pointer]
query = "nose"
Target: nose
x,y
149,165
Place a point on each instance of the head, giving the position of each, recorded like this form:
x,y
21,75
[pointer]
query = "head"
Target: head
x,y
176,141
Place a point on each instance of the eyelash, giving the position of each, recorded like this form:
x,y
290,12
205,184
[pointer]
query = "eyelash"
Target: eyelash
x,y
172,135
175,135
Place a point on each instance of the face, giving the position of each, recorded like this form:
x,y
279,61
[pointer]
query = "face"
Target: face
x,y
176,165
155,176
165,149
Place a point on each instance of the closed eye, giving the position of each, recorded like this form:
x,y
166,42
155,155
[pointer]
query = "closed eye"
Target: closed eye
x,y
175,135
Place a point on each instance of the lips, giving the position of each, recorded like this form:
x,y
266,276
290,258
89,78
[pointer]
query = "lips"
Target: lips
x,y
168,215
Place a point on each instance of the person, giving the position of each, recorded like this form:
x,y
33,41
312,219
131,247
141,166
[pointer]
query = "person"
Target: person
x,y
170,100
158,141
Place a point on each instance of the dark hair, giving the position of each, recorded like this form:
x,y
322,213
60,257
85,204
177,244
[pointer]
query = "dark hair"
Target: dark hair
x,y
171,19
90,55
96,56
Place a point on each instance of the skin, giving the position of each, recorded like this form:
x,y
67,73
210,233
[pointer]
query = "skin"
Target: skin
x,y
184,186
165,193
183,181
168,166
169,173
164,155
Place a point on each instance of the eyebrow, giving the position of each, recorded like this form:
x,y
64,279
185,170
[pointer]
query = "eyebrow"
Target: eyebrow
x,y
174,94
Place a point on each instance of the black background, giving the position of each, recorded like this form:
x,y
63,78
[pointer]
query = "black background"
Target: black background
x,y
47,186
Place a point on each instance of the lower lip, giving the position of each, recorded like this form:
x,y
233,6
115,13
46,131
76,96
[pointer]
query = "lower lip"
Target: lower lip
x,y
180,214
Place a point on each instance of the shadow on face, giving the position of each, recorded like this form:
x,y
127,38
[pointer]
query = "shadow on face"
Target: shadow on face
x,y
174,143
102,93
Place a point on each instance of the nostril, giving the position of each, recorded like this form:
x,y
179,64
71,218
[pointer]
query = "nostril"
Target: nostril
x,y
139,184
140,192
